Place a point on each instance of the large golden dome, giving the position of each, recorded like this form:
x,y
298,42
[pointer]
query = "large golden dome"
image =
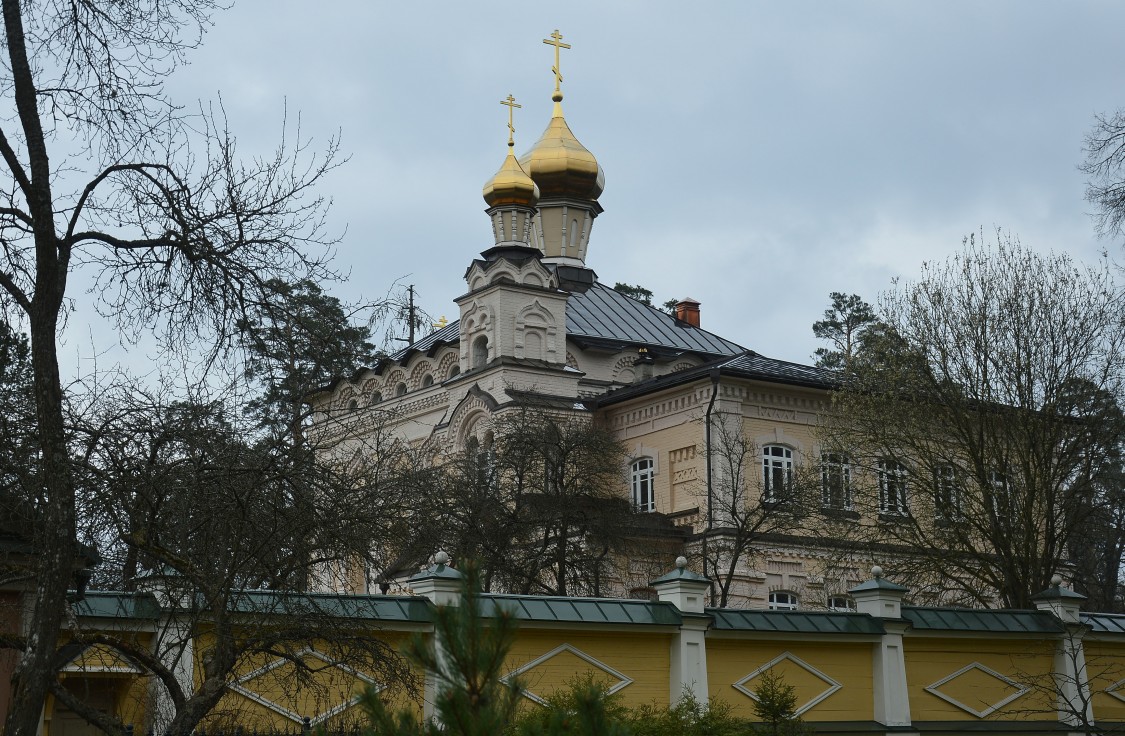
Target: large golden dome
x,y
560,165
511,186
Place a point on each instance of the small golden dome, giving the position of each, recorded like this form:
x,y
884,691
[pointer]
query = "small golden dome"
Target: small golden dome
x,y
560,165
511,185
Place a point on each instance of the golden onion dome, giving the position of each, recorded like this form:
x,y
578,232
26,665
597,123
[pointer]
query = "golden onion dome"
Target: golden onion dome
x,y
511,186
560,165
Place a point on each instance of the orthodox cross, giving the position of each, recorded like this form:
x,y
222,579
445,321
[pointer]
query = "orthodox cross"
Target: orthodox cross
x,y
556,41
511,104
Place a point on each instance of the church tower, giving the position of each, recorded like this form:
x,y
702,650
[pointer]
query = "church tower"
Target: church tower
x,y
570,180
514,309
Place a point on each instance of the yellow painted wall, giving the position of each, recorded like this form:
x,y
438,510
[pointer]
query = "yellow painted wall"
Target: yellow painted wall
x,y
730,660
645,658
1105,666
928,660
303,693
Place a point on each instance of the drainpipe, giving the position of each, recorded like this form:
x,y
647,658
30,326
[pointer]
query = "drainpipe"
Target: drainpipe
x,y
710,506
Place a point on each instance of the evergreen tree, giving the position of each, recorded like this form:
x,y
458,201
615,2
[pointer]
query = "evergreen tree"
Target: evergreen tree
x,y
466,657
776,707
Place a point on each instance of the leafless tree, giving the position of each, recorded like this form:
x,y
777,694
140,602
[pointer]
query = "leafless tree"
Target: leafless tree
x,y
541,504
191,501
976,422
750,508
155,206
1105,166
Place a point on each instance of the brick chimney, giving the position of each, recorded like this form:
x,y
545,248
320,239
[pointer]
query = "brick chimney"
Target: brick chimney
x,y
687,310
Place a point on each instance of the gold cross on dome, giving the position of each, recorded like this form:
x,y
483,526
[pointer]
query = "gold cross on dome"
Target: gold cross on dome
x,y
511,104
556,41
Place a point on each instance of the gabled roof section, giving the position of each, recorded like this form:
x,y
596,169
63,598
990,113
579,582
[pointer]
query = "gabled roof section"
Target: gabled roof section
x,y
747,364
981,620
795,622
582,610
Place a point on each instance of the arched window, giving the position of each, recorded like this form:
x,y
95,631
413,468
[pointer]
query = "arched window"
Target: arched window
x,y
641,476
480,351
842,603
892,487
353,404
783,600
777,472
376,397
836,481
455,371
427,380
400,390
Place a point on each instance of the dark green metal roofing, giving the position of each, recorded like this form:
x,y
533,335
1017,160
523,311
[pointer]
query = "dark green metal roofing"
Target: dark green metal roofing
x,y
1106,623
114,604
370,607
797,622
583,610
976,619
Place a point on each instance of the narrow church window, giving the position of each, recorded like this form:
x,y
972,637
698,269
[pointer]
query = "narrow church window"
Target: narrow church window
x,y
643,497
376,397
947,495
427,380
400,390
836,481
353,404
480,351
455,371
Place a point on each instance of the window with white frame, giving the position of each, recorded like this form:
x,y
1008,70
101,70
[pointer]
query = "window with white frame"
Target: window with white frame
x,y
836,481
777,472
641,472
892,487
843,603
1004,501
783,600
947,494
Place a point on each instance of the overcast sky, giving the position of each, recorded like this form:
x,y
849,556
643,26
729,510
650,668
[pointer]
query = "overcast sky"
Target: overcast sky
x,y
757,155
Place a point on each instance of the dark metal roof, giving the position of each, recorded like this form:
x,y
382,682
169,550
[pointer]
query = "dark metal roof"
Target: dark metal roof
x,y
604,314
751,365
799,622
975,619
114,604
447,334
373,607
1107,623
583,610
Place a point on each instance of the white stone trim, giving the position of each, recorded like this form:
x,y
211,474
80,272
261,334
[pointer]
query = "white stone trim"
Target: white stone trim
x,y
623,680
1021,689
833,685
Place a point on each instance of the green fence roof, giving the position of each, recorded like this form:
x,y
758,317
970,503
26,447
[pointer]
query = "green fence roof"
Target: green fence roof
x,y
974,619
583,610
116,604
797,622
1106,623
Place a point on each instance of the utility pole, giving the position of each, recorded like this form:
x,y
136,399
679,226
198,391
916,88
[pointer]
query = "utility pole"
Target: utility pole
x,y
411,318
